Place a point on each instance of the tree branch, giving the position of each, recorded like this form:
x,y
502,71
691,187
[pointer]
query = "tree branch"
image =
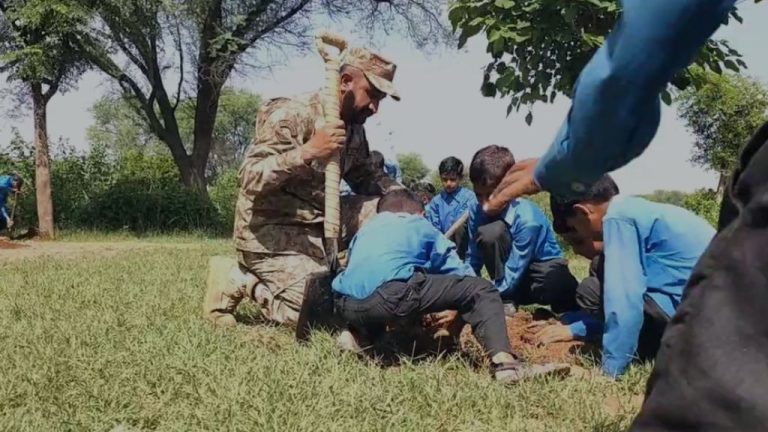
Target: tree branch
x,y
181,66
274,25
250,20
53,86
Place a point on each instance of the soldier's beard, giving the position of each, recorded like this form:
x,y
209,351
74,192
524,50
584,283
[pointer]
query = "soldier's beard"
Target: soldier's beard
x,y
351,114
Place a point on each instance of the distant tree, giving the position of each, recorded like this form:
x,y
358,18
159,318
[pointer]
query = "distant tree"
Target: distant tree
x,y
40,52
723,115
667,197
413,167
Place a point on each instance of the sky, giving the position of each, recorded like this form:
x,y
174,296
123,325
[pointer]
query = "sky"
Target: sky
x,y
442,112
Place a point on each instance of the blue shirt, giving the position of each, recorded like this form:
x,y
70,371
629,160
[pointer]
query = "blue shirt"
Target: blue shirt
x,y
390,247
533,240
391,168
650,248
615,109
445,208
6,186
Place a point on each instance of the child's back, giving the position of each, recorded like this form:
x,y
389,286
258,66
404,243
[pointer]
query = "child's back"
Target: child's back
x,y
390,247
670,240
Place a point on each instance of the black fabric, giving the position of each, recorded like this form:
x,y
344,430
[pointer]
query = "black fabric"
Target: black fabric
x,y
461,238
711,373
590,297
547,283
476,300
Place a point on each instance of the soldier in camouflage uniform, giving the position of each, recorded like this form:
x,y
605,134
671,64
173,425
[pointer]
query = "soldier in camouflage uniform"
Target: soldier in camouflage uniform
x,y
279,214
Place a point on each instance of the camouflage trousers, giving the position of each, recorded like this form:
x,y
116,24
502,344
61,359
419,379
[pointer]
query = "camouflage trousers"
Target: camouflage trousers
x,y
281,276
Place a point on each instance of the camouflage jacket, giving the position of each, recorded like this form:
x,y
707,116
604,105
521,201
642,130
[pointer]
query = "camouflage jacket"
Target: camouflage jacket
x,y
278,190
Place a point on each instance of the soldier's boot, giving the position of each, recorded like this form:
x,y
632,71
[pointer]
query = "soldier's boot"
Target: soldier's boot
x,y
227,286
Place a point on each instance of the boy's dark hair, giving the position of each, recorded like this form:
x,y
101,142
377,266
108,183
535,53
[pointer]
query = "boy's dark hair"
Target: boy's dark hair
x,y
490,164
17,180
400,201
451,166
562,209
377,159
423,190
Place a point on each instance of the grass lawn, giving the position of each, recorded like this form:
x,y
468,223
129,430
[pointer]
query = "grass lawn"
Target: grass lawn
x,y
115,341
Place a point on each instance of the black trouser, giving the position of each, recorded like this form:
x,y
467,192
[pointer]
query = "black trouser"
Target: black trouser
x,y
461,238
711,373
544,282
590,297
476,300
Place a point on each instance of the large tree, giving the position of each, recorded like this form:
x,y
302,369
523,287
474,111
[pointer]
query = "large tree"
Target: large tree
x,y
177,45
39,42
722,115
118,127
539,47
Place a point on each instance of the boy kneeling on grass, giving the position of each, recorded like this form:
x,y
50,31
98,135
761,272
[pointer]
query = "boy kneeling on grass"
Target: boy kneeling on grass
x,y
517,247
648,252
401,267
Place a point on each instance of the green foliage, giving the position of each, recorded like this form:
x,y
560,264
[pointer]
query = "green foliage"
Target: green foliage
x,y
704,203
224,197
39,40
539,47
118,127
722,115
133,191
667,197
413,167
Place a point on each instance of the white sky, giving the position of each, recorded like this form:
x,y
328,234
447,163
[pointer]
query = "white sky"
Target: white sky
x,y
442,112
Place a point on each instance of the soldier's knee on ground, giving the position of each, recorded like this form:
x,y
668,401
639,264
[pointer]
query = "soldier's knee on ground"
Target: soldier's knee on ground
x,y
226,286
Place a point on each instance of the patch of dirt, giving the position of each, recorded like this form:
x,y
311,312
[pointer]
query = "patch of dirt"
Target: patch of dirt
x,y
44,249
521,340
7,244
421,343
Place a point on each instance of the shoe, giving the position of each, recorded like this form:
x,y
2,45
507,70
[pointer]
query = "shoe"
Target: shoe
x,y
227,285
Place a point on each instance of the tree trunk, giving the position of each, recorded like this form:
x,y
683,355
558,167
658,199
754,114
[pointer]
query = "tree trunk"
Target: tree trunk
x,y
722,185
42,164
206,110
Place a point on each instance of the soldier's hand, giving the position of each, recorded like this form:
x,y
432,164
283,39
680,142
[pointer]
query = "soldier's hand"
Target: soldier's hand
x,y
10,224
325,142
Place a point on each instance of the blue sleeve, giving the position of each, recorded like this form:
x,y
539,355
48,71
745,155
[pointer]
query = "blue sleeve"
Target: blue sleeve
x,y
432,213
524,242
615,110
443,258
474,256
4,212
623,290
583,325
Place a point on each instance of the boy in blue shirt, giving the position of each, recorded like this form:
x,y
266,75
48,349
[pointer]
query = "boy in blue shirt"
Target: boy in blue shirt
x,y
401,267
447,207
648,253
518,247
9,184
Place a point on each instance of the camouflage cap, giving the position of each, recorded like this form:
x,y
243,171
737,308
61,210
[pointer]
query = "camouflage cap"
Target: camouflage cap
x,y
379,70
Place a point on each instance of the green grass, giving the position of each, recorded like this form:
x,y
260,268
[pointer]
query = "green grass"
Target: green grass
x,y
117,342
